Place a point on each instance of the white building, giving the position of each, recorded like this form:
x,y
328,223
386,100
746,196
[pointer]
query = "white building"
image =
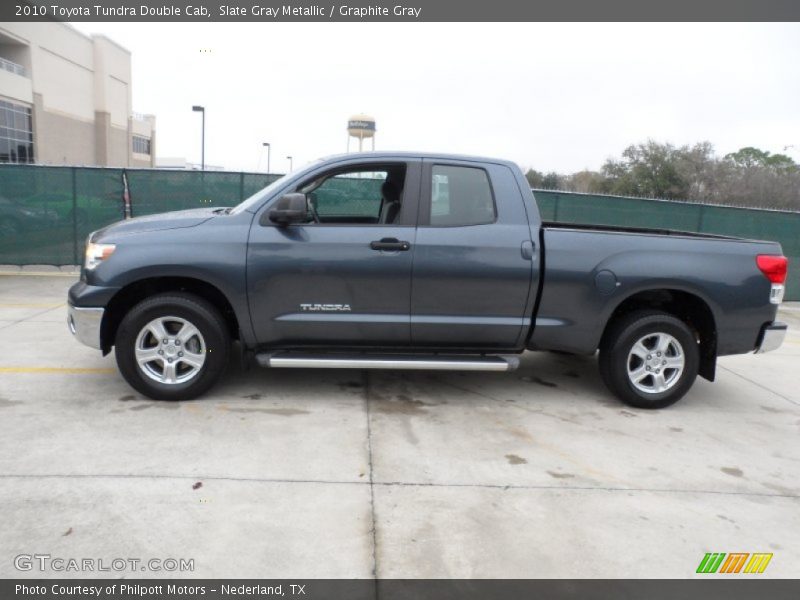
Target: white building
x,y
65,98
179,163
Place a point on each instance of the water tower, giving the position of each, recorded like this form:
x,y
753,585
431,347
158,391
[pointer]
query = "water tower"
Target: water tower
x,y
361,127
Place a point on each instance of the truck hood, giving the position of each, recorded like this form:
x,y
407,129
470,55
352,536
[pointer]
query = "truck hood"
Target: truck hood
x,y
170,220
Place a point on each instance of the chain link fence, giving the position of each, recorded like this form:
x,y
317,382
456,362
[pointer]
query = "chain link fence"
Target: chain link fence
x,y
47,212
156,191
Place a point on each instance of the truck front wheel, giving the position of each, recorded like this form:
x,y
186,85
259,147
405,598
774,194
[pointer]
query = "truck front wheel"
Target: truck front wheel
x,y
649,359
172,346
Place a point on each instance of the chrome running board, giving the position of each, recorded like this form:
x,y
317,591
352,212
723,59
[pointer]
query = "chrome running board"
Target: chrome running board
x,y
432,362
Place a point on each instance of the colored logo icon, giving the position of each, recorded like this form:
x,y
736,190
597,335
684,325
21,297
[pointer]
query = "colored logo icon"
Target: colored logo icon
x,y
734,562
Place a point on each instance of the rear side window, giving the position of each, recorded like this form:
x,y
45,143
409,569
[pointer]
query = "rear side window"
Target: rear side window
x,y
460,196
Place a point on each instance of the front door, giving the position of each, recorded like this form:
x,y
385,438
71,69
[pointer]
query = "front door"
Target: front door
x,y
345,277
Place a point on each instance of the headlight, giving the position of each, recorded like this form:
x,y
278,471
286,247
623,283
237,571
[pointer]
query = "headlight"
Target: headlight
x,y
97,253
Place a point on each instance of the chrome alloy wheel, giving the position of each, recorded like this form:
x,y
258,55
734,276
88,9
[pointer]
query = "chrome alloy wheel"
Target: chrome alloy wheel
x,y
655,363
170,350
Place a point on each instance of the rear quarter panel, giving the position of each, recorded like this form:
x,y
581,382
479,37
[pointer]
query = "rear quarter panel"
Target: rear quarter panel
x,y
573,311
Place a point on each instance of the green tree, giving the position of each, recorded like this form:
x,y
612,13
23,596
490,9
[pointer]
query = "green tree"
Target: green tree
x,y
781,162
698,167
552,181
750,176
758,178
748,157
534,178
588,182
648,169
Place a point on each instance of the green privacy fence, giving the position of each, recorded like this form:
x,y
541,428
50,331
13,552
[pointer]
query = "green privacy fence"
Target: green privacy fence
x,y
759,224
47,212
154,191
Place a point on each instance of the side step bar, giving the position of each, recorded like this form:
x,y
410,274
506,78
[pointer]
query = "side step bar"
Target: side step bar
x,y
432,362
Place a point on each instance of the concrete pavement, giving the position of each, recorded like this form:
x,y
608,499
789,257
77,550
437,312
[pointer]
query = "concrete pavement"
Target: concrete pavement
x,y
295,473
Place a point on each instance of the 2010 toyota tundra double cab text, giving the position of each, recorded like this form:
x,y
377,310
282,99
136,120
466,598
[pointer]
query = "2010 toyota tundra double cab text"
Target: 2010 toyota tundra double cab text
x,y
418,261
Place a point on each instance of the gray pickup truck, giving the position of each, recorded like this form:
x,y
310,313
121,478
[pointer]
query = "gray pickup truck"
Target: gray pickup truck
x,y
417,261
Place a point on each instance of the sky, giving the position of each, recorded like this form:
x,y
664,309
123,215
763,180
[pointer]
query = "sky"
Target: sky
x,y
555,97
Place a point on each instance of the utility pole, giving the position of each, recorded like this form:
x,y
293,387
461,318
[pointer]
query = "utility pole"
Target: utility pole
x,y
201,109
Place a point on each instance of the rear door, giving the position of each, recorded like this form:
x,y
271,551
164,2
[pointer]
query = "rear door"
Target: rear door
x,y
346,279
473,259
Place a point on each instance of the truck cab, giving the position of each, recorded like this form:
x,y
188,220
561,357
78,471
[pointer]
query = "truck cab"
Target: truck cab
x,y
383,258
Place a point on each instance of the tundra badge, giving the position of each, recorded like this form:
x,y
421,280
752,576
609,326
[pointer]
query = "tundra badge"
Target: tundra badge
x,y
325,307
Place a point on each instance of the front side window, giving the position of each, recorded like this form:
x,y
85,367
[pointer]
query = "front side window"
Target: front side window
x,y
16,133
460,196
371,195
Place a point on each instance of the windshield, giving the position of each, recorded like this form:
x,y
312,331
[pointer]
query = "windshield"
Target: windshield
x,y
253,201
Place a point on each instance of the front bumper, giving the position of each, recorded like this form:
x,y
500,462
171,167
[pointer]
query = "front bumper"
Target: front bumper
x,y
84,323
771,337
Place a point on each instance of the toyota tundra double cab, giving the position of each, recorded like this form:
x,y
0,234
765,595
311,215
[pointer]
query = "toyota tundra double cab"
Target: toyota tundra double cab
x,y
417,261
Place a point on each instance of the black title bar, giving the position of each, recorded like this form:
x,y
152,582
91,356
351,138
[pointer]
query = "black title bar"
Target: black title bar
x,y
400,10
712,588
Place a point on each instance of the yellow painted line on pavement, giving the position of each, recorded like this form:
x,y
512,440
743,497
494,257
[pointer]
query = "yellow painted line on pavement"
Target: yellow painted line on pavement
x,y
67,370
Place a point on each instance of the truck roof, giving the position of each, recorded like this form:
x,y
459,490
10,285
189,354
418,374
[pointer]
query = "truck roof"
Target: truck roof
x,y
388,154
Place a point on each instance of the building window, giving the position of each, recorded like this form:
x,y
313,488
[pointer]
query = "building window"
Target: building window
x,y
141,145
16,133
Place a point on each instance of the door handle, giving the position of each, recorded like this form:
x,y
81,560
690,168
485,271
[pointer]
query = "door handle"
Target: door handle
x,y
527,249
391,244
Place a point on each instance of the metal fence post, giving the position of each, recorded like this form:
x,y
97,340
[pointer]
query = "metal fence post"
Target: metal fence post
x,y
555,207
700,217
241,186
74,217
127,202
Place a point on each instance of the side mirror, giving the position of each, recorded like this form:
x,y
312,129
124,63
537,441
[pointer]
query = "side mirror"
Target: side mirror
x,y
290,208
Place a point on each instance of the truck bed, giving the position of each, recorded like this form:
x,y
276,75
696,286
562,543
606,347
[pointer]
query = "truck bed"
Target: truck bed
x,y
640,230
589,270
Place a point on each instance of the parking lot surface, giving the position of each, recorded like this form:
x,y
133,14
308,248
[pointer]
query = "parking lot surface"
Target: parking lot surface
x,y
322,473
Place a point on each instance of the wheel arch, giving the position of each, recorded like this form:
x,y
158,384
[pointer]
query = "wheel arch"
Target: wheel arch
x,y
133,293
690,308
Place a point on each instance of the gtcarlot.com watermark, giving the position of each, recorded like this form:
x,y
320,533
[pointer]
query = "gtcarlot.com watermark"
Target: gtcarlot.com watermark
x,y
57,564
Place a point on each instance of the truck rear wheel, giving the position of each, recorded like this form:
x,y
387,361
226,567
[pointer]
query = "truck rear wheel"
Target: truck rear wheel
x,y
172,346
649,359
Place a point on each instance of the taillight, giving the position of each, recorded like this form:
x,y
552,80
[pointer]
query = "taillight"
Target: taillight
x,y
773,267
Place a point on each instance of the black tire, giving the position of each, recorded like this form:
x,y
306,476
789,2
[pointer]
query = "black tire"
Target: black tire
x,y
616,359
198,312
